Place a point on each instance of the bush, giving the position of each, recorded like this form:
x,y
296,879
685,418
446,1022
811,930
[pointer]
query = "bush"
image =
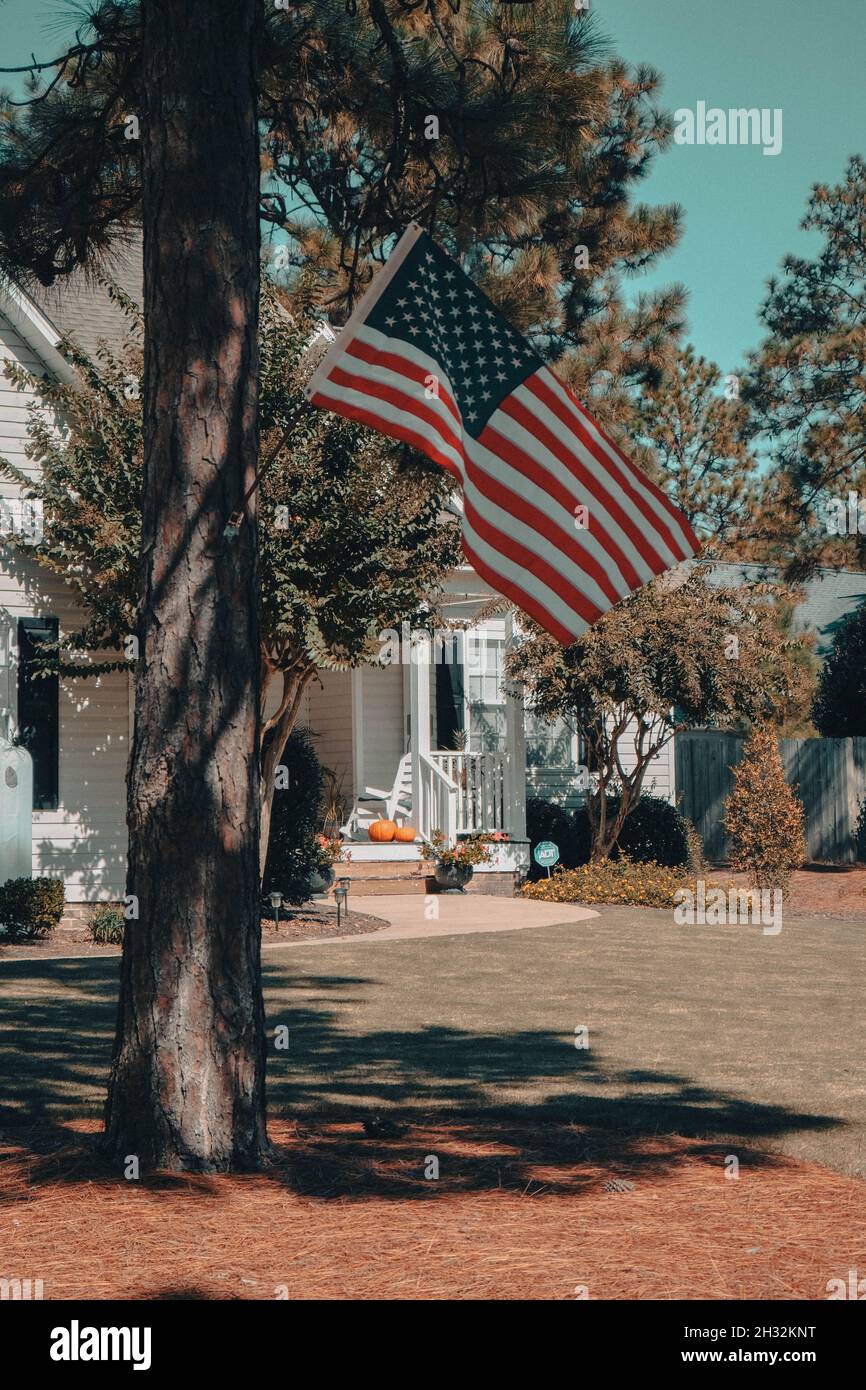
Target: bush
x,y
547,821
654,831
839,710
31,907
763,817
107,926
610,881
294,849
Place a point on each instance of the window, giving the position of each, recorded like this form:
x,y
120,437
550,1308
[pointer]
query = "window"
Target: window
x,y
39,711
548,746
486,696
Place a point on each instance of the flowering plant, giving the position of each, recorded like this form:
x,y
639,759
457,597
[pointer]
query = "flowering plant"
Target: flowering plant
x,y
473,849
330,851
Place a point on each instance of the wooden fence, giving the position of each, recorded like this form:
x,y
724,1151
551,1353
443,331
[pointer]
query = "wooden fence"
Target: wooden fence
x,y
829,775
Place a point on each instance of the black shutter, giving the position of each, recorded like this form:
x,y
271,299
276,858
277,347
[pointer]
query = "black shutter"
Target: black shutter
x,y
449,694
39,712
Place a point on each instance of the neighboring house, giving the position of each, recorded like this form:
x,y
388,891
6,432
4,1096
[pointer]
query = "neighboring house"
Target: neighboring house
x,y
439,744
78,731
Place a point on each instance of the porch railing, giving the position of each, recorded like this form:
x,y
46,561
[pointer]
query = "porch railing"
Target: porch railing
x,y
437,795
480,781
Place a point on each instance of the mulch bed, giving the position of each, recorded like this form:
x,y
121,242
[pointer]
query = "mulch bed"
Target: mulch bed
x,y
821,890
304,924
345,1212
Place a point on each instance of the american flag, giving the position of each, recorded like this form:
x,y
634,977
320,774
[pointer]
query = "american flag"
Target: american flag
x,y
555,517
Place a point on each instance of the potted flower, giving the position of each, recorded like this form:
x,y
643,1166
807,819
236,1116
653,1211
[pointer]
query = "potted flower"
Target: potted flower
x,y
327,852
454,865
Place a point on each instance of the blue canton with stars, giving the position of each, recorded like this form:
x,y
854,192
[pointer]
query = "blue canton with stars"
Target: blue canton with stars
x,y
433,305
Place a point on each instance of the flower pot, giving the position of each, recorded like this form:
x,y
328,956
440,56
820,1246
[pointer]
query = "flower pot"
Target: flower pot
x,y
452,878
321,880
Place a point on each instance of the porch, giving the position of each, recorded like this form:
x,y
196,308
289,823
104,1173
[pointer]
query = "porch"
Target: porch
x,y
405,712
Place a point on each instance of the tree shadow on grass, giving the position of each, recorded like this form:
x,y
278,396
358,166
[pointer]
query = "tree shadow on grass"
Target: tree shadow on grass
x,y
358,1113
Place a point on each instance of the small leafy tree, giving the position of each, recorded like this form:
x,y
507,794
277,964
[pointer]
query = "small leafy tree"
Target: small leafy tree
x,y
763,817
352,539
840,703
681,653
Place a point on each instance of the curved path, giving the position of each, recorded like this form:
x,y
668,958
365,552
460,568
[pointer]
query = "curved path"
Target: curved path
x,y
411,915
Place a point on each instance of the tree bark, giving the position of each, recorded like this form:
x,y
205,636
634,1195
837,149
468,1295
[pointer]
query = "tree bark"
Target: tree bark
x,y
187,1082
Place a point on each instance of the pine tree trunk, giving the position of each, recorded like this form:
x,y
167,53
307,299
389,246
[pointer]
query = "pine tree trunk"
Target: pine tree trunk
x,y
187,1083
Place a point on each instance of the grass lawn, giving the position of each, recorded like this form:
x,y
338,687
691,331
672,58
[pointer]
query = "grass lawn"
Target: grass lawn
x,y
560,1168
716,1032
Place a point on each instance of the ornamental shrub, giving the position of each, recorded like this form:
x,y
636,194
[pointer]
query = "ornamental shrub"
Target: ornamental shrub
x,y
763,818
610,881
31,907
294,848
107,925
654,830
547,821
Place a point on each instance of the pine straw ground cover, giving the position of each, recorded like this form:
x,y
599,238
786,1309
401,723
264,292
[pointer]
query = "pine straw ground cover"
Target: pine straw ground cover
x,y
520,1215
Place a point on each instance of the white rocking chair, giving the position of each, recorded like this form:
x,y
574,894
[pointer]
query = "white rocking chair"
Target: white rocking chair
x,y
373,801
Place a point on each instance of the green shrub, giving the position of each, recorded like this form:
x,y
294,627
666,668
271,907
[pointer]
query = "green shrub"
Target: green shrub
x,y
654,830
107,925
547,821
610,881
31,907
294,849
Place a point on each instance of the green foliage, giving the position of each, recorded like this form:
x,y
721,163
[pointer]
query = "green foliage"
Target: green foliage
x,y
541,137
107,925
653,831
658,662
763,817
547,821
350,535
610,881
30,907
807,383
698,447
294,851
840,702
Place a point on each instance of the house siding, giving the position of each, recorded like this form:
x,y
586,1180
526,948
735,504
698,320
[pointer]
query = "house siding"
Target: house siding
x,y
84,840
329,718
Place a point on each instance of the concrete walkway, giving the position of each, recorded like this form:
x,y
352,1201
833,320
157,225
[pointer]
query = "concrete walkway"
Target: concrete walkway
x,y
457,914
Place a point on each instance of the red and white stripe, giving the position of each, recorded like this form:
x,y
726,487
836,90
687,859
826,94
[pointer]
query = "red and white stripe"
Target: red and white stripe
x,y
538,458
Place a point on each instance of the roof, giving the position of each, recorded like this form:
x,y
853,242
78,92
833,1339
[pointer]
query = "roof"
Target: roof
x,y
830,596
79,306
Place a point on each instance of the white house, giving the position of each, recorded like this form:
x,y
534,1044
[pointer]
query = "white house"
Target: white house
x,y
430,736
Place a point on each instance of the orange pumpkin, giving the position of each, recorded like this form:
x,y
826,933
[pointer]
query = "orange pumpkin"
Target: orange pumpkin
x,y
406,834
382,831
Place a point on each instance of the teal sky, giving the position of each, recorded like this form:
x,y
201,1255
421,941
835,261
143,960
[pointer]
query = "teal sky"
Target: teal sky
x,y
742,208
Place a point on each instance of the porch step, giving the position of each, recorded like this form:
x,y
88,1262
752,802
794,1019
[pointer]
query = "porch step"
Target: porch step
x,y
385,876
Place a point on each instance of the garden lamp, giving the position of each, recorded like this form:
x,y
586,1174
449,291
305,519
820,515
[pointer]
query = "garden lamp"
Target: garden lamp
x,y
276,899
340,896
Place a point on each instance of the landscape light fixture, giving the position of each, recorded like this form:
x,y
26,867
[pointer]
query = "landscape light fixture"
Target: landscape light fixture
x,y
276,900
340,896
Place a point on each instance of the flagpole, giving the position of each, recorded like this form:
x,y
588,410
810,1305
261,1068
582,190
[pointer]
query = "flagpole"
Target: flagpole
x,y
373,292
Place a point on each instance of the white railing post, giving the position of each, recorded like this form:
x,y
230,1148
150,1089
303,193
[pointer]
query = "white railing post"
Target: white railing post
x,y
514,780
419,727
